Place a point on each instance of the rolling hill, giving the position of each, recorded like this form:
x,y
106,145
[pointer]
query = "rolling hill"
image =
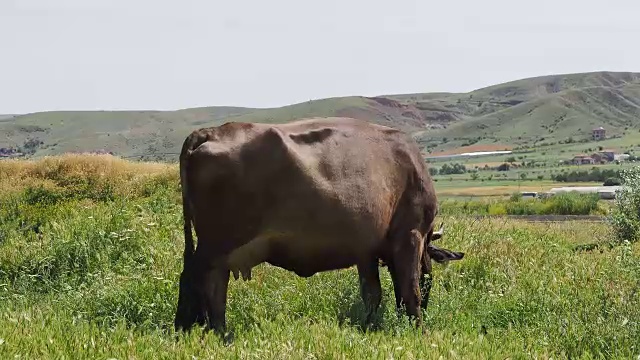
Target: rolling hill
x,y
159,134
546,109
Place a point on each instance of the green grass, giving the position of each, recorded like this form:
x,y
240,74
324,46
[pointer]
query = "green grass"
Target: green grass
x,y
95,277
560,204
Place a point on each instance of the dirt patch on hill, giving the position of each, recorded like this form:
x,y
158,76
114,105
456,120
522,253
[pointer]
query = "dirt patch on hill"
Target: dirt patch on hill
x,y
387,112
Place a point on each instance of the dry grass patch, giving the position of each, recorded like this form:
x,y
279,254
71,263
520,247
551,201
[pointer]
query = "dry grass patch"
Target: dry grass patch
x,y
83,172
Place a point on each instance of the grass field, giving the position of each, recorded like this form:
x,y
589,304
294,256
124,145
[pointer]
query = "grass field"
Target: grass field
x,y
497,188
90,253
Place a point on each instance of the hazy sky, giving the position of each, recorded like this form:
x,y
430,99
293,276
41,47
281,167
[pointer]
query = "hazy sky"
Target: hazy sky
x,y
158,54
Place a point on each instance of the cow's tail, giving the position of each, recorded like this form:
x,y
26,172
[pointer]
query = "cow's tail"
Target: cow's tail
x,y
191,143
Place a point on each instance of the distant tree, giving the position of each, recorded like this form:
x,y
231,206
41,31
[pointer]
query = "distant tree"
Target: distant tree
x,y
503,167
455,168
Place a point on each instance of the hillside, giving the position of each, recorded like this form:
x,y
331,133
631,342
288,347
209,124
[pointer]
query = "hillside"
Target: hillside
x,y
159,134
546,109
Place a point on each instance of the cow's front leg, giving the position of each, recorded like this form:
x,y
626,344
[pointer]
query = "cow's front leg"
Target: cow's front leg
x,y
370,288
406,270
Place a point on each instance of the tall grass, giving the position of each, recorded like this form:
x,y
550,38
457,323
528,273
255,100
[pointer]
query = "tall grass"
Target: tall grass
x,y
560,204
92,176
96,277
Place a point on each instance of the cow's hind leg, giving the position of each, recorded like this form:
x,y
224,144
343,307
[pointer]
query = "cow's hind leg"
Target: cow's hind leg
x,y
211,284
406,270
215,284
370,288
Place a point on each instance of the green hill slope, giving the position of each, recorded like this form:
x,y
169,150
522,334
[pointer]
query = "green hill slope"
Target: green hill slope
x,y
546,109
125,133
159,134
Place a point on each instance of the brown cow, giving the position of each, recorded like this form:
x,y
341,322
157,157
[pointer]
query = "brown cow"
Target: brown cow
x,y
308,196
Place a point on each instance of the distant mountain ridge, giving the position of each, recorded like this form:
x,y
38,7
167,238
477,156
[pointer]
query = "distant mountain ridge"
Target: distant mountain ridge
x,y
540,109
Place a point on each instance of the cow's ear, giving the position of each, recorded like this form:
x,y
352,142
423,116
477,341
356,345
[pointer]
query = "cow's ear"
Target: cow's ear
x,y
443,255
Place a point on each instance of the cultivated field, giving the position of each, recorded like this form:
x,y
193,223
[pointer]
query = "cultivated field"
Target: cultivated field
x,y
90,253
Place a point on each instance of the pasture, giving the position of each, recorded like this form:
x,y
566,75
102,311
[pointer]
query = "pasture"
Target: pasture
x,y
91,251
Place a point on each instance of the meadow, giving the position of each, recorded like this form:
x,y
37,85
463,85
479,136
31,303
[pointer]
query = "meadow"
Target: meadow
x,y
90,254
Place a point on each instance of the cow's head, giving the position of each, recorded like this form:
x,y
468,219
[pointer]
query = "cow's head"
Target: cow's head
x,y
189,311
431,252
437,254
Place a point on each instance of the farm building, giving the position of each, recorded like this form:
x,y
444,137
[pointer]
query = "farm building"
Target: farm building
x,y
583,159
600,157
621,157
599,133
608,154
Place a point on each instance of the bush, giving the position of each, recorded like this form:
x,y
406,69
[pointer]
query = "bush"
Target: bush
x,y
503,167
571,203
587,176
625,217
612,182
516,196
454,168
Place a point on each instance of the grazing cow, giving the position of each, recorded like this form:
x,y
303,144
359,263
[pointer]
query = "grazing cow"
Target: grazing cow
x,y
308,196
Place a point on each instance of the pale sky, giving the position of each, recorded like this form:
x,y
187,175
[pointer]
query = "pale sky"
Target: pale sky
x,y
159,54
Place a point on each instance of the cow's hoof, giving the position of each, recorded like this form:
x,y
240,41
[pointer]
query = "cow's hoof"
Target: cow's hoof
x,y
228,338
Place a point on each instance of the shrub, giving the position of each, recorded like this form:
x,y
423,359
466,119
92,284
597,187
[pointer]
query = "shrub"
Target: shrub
x,y
586,176
516,196
455,168
41,195
572,204
503,167
497,209
625,217
612,182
